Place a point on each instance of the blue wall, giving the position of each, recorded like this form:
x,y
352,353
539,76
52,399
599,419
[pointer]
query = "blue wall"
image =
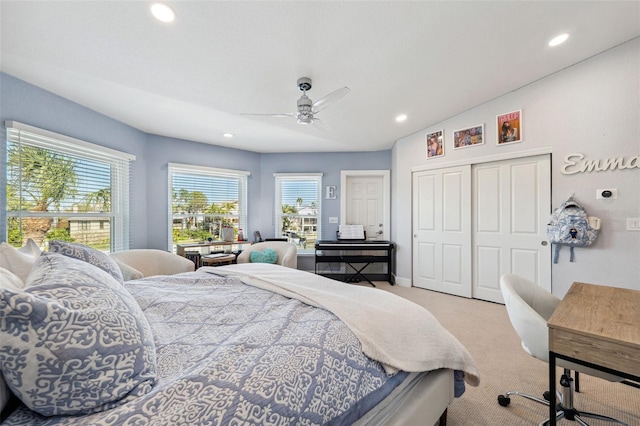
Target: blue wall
x,y
162,150
31,105
329,164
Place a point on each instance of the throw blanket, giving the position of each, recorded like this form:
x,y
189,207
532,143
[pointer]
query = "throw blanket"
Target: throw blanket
x,y
378,318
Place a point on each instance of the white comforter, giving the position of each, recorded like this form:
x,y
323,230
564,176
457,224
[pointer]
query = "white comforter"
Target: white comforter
x,y
394,331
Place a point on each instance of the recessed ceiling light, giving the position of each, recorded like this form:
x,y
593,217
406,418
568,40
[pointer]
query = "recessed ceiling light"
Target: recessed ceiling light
x,y
162,12
401,118
558,40
228,135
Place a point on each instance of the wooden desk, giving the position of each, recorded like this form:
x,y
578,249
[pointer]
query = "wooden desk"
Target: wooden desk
x,y
181,248
596,326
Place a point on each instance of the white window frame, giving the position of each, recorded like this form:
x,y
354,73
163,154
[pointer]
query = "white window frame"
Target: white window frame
x,y
120,176
189,169
288,177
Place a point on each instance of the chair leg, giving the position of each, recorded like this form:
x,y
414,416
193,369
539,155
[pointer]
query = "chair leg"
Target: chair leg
x,y
531,397
559,416
565,408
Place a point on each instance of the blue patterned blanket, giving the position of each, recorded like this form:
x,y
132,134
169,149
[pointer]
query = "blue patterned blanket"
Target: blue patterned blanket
x,y
233,354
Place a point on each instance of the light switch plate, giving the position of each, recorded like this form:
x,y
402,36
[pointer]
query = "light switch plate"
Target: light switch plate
x,y
333,220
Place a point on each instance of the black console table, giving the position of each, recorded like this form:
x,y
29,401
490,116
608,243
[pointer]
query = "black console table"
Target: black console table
x,y
345,251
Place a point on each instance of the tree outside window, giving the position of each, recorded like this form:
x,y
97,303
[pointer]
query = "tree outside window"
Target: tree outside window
x,y
204,200
298,210
58,189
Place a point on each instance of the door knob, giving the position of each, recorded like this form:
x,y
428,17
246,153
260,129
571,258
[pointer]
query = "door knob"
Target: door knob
x,y
544,243
380,232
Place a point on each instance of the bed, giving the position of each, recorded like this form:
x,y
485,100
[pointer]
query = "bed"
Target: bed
x,y
239,344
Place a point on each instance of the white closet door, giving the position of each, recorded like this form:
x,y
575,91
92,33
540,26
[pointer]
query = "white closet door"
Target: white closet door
x,y
511,207
442,230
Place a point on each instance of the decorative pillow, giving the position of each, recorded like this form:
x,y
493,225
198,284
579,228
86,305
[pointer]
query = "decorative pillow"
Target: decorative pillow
x,y
267,255
10,280
128,272
19,261
89,255
75,340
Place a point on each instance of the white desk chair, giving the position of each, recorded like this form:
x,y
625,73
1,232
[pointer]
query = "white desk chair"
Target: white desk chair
x,y
529,307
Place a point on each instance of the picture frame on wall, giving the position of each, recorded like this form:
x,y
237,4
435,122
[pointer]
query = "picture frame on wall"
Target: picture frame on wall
x,y
468,137
435,144
509,127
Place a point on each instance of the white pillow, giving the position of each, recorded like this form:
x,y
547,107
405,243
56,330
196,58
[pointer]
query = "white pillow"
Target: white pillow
x,y
19,261
31,248
10,280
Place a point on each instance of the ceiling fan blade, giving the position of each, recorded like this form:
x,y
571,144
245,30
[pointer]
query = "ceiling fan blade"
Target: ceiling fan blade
x,y
287,114
330,99
320,125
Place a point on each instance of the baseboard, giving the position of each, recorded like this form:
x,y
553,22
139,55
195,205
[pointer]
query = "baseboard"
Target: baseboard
x,y
402,282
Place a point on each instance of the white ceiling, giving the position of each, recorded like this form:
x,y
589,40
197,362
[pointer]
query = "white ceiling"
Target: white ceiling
x,y
191,79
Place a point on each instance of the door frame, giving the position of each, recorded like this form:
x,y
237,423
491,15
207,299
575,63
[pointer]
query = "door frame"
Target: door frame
x,y
386,183
485,159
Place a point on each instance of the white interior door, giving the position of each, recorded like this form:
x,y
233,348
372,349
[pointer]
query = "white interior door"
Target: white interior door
x,y
442,230
511,207
366,201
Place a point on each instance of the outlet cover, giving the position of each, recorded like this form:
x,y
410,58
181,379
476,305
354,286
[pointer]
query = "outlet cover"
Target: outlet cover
x,y
633,224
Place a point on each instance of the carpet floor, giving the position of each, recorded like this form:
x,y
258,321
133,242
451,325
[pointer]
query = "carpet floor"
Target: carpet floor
x,y
484,328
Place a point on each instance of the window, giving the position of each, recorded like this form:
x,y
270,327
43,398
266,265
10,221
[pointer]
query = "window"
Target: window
x,y
298,209
59,187
203,201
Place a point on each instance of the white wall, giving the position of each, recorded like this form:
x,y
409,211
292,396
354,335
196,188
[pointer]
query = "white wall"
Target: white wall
x,y
591,108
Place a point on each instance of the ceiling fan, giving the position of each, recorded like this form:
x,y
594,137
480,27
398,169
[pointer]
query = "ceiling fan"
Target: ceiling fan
x,y
307,109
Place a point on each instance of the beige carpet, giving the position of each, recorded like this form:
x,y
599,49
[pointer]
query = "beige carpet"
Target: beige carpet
x,y
485,330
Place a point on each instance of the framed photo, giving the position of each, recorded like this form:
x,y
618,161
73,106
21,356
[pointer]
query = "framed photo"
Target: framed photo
x,y
435,144
509,127
471,136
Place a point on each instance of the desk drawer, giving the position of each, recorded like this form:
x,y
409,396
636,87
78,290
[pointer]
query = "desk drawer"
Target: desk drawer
x,y
595,350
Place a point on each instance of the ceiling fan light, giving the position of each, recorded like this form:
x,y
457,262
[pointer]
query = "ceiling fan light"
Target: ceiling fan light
x,y
305,120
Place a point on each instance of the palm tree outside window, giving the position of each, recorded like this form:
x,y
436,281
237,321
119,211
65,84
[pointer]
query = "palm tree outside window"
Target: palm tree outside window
x,y
204,200
59,187
298,209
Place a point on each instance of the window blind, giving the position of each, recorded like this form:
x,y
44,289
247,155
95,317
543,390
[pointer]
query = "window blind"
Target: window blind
x,y
298,208
64,188
203,200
